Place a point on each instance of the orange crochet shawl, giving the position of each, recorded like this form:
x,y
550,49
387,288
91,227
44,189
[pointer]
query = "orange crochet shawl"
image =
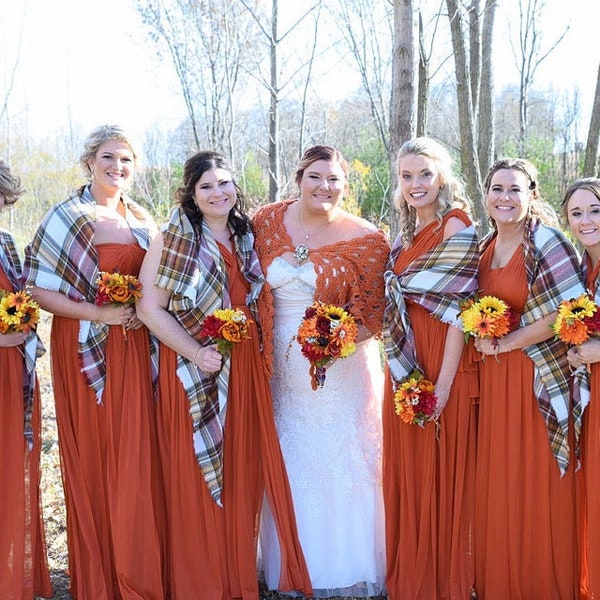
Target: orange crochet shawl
x,y
349,273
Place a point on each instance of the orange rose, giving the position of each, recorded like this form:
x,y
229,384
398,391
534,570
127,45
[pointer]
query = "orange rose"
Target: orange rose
x,y
231,332
119,293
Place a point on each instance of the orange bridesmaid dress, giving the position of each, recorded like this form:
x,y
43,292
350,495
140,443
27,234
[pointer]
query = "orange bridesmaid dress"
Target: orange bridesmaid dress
x,y
590,478
109,458
211,550
428,475
23,563
525,529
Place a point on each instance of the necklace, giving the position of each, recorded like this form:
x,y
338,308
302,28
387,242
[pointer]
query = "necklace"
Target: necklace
x,y
301,252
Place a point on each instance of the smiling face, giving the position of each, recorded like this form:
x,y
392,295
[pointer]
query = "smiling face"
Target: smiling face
x,y
322,185
112,167
214,194
420,183
508,197
583,212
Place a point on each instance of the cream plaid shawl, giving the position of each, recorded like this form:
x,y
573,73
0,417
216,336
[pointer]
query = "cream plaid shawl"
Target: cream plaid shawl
x,y
193,270
33,347
437,280
553,275
62,258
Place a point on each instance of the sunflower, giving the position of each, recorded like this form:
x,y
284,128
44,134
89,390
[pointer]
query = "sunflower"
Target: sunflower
x,y
492,305
577,308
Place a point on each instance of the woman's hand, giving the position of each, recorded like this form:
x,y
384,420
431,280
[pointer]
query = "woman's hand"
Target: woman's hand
x,y
584,354
208,359
112,314
442,393
134,322
491,347
9,340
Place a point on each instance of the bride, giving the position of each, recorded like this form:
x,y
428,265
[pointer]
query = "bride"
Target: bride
x,y
312,249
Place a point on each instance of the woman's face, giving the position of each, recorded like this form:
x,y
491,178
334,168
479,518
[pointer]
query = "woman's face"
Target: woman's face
x,y
420,182
214,193
113,165
508,198
323,185
583,213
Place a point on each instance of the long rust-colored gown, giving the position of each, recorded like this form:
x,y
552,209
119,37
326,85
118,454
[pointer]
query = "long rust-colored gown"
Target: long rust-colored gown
x,y
108,457
429,484
23,564
211,551
524,511
589,477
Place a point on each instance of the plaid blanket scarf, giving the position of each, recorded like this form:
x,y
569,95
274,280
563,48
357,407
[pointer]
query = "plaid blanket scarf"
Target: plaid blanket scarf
x,y
193,270
553,275
32,347
62,258
437,280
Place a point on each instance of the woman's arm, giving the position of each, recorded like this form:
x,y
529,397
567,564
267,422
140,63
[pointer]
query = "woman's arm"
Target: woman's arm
x,y
152,310
58,304
534,333
453,349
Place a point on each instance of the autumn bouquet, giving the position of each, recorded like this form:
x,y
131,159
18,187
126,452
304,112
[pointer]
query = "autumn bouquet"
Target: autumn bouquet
x,y
19,313
226,326
415,400
327,332
578,320
117,288
486,317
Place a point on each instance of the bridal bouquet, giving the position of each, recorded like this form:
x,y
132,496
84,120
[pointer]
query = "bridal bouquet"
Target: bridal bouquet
x,y
327,332
578,320
226,326
415,400
19,313
117,288
486,317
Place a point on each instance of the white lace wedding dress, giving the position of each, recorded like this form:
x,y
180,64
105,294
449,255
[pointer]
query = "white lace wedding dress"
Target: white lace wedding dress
x,y
331,443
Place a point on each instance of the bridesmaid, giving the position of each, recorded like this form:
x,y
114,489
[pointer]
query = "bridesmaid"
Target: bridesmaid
x,y
525,538
101,376
581,209
23,564
429,472
218,445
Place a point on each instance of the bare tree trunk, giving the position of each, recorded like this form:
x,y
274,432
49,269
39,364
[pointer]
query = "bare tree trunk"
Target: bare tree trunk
x,y
486,128
274,110
404,75
590,167
466,116
423,85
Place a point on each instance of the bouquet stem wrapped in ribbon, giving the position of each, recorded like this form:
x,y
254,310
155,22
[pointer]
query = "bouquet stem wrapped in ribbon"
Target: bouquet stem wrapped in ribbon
x,y
19,313
117,288
226,326
327,332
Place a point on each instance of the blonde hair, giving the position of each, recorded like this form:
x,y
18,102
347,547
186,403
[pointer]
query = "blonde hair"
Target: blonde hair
x,y
97,137
10,185
538,207
451,193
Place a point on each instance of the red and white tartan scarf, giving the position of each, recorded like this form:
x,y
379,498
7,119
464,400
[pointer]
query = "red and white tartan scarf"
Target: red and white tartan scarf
x,y
438,281
32,347
62,258
194,271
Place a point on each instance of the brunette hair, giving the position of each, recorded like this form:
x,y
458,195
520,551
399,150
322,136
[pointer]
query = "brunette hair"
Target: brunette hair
x,y
320,152
538,207
194,168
